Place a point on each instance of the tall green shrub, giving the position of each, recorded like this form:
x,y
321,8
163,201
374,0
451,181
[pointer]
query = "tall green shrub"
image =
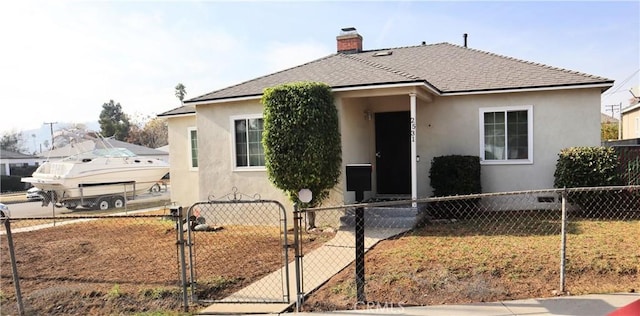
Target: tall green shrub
x,y
301,139
586,167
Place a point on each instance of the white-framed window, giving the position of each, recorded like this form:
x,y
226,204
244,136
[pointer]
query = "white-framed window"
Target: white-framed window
x,y
193,148
248,152
506,135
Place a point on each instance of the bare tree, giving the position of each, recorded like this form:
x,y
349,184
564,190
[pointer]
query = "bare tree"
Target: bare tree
x,y
152,134
13,141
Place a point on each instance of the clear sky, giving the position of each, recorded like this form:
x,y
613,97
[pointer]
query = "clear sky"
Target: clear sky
x,y
61,60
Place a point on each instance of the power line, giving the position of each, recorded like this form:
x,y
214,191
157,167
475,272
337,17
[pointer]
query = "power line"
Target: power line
x,y
622,84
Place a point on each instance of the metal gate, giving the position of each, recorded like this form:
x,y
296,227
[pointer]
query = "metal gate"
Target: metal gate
x,y
226,236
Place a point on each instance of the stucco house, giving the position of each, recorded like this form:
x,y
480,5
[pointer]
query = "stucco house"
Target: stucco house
x,y
398,108
631,121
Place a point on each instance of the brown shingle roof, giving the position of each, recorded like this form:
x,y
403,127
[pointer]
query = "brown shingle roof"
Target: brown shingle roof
x,y
452,68
446,67
182,110
337,70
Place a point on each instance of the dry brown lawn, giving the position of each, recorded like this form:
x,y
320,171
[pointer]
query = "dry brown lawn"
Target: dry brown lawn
x,y
455,263
130,266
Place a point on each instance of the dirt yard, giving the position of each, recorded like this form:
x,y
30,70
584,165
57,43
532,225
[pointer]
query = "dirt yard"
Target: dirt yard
x,y
121,266
130,266
454,264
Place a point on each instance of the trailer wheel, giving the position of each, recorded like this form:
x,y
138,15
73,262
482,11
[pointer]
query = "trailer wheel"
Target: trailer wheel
x,y
102,204
155,188
118,202
71,205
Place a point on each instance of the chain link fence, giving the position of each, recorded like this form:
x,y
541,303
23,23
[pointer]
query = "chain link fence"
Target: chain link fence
x,y
448,250
83,265
475,248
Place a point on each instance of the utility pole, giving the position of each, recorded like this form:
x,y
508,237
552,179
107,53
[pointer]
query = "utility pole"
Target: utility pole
x,y
614,108
51,128
620,122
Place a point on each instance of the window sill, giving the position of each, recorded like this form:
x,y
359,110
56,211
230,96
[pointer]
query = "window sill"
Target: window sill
x,y
506,162
245,169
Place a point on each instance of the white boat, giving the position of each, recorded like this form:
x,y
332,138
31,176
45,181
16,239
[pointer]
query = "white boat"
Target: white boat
x,y
100,178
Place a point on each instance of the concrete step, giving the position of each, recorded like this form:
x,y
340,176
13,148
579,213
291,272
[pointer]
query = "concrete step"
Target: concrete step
x,y
383,217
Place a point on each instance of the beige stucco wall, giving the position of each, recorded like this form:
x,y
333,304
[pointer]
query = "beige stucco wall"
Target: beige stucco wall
x,y
184,181
629,124
217,174
445,125
561,119
450,125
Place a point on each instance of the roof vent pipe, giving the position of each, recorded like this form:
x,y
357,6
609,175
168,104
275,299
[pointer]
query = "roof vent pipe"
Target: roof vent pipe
x,y
464,37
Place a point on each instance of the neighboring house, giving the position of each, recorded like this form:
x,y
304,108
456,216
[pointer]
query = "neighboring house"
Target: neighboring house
x,y
10,160
631,121
399,108
90,144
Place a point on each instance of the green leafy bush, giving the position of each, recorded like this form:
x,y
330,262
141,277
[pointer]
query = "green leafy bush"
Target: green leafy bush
x,y
589,167
454,175
301,139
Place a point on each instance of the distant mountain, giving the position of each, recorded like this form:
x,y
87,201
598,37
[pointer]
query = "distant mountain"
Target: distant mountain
x,y
36,140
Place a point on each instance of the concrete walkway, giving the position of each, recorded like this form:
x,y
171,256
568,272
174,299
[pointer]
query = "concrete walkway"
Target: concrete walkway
x,y
586,305
318,267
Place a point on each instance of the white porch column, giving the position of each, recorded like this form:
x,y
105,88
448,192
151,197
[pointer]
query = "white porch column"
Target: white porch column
x,y
414,157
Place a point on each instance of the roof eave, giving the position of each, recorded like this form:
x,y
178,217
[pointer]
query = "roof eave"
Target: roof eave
x,y
177,114
335,88
630,108
602,85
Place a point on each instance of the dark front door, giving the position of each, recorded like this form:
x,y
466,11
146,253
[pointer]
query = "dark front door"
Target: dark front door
x,y
393,152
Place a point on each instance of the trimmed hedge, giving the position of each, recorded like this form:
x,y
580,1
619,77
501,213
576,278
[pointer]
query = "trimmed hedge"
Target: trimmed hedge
x,y
454,175
301,138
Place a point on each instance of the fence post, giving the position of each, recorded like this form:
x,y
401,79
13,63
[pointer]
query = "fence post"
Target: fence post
x,y
177,211
14,267
563,241
360,255
298,253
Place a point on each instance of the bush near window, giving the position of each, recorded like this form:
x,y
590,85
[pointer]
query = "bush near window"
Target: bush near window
x,y
589,167
301,139
454,175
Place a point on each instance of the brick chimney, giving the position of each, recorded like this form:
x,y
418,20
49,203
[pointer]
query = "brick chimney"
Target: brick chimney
x,y
349,41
